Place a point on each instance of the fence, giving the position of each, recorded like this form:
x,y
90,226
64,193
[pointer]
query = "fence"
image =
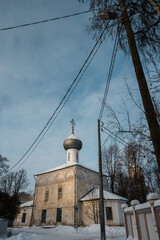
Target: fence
x,y
3,226
142,221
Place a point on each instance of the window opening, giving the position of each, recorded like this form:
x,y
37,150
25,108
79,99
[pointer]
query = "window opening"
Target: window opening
x,y
77,156
109,215
46,195
59,193
59,214
68,156
43,216
23,217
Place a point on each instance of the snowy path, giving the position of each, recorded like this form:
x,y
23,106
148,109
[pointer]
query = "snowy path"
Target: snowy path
x,y
67,233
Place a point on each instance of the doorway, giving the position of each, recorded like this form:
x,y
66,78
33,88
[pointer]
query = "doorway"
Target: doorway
x,y
59,214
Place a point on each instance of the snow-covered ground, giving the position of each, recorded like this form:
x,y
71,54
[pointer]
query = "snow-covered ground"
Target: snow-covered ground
x,y
66,233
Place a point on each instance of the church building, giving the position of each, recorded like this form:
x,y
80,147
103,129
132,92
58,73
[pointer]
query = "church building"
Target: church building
x,y
59,192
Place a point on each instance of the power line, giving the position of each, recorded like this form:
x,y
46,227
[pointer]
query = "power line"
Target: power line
x,y
62,102
110,71
45,20
60,108
122,140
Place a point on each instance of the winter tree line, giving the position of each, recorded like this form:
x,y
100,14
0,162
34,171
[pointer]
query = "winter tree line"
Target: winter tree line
x,y
131,174
133,164
12,185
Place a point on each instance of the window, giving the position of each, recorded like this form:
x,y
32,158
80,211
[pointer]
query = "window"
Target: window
x,y
109,213
77,156
43,216
68,156
46,195
23,217
59,193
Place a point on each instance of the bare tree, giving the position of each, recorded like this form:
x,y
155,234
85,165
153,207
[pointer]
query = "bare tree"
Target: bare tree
x,y
112,165
134,162
14,182
3,165
92,207
156,6
140,32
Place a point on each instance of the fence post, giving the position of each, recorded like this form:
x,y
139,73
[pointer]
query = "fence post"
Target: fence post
x,y
151,198
125,220
133,204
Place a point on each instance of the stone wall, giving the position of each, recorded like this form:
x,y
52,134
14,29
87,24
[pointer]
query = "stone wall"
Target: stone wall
x,y
86,181
18,220
51,182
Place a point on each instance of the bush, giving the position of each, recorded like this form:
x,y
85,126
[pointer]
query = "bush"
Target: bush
x,y
9,206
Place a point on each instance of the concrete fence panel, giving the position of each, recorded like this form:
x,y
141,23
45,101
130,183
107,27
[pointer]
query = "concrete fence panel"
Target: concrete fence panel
x,y
3,226
142,221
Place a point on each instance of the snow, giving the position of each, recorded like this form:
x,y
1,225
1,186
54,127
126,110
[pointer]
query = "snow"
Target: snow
x,y
135,202
66,233
73,136
94,194
123,206
27,204
66,165
157,203
129,209
143,206
153,196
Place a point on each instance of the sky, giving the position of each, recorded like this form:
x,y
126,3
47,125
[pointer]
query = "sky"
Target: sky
x,y
37,65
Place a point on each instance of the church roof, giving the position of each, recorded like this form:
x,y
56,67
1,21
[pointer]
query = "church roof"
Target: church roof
x,y
67,165
94,194
27,204
72,142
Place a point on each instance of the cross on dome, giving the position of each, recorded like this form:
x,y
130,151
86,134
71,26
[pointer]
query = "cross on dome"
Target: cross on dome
x,y
72,145
73,124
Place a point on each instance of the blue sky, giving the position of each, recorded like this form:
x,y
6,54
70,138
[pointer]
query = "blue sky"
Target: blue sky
x,y
37,65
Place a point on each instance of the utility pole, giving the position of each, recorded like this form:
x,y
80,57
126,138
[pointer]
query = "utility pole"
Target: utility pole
x,y
143,87
101,204
145,94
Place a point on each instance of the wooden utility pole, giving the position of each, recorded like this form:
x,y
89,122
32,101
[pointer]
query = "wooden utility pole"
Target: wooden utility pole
x,y
101,210
143,87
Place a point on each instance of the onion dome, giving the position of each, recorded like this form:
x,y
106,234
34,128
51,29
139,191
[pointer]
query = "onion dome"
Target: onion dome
x,y
72,142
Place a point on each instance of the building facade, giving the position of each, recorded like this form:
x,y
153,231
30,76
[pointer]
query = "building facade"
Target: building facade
x,y
24,217
59,192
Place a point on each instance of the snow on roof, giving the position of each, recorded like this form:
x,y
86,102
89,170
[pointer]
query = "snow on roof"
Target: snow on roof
x,y
157,203
27,204
142,206
73,136
66,166
94,194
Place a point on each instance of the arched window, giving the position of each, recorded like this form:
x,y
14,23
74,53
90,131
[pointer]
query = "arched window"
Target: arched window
x,y
46,195
77,156
69,156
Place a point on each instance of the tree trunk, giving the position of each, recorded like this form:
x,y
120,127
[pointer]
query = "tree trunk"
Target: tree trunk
x,y
146,98
156,6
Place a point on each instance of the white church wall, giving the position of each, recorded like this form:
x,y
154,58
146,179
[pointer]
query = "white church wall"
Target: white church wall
x,y
117,214
52,182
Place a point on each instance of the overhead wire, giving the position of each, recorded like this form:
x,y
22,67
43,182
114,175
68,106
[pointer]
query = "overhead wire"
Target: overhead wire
x,y
60,106
119,139
110,71
46,20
